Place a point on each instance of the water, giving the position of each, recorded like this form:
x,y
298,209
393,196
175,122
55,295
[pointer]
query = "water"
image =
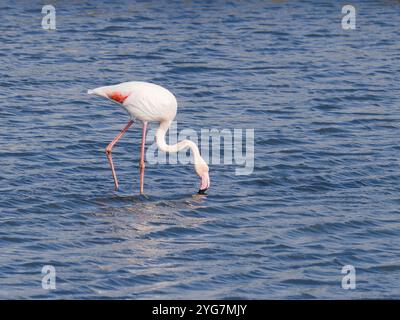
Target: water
x,y
325,188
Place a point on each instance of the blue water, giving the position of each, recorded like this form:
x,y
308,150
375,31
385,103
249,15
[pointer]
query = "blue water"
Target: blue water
x,y
325,191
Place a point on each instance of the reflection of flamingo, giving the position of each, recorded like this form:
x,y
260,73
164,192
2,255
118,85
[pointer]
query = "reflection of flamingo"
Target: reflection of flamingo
x,y
150,102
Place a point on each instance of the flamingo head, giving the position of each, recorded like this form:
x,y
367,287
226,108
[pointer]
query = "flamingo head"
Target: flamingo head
x,y
202,172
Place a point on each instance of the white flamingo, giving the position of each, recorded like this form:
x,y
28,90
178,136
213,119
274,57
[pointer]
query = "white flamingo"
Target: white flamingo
x,y
150,102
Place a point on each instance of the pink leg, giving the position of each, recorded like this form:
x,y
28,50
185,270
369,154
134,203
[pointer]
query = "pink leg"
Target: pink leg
x,y
141,163
109,148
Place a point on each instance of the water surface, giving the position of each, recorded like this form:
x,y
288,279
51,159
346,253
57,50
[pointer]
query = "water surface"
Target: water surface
x,y
324,104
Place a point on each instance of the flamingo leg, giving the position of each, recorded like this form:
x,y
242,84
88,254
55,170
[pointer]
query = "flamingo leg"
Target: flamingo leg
x,y
109,148
141,163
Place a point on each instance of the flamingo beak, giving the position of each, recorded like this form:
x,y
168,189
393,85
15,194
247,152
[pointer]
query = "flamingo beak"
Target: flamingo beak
x,y
205,183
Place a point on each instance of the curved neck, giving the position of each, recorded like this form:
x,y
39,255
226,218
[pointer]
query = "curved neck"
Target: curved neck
x,y
163,146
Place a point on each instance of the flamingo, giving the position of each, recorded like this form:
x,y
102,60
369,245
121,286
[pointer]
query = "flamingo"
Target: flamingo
x,y
150,102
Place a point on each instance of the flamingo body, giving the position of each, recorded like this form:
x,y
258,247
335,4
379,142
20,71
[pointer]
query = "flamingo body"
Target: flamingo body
x,y
142,100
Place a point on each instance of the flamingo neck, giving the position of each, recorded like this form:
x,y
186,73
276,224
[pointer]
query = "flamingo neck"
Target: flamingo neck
x,y
181,145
